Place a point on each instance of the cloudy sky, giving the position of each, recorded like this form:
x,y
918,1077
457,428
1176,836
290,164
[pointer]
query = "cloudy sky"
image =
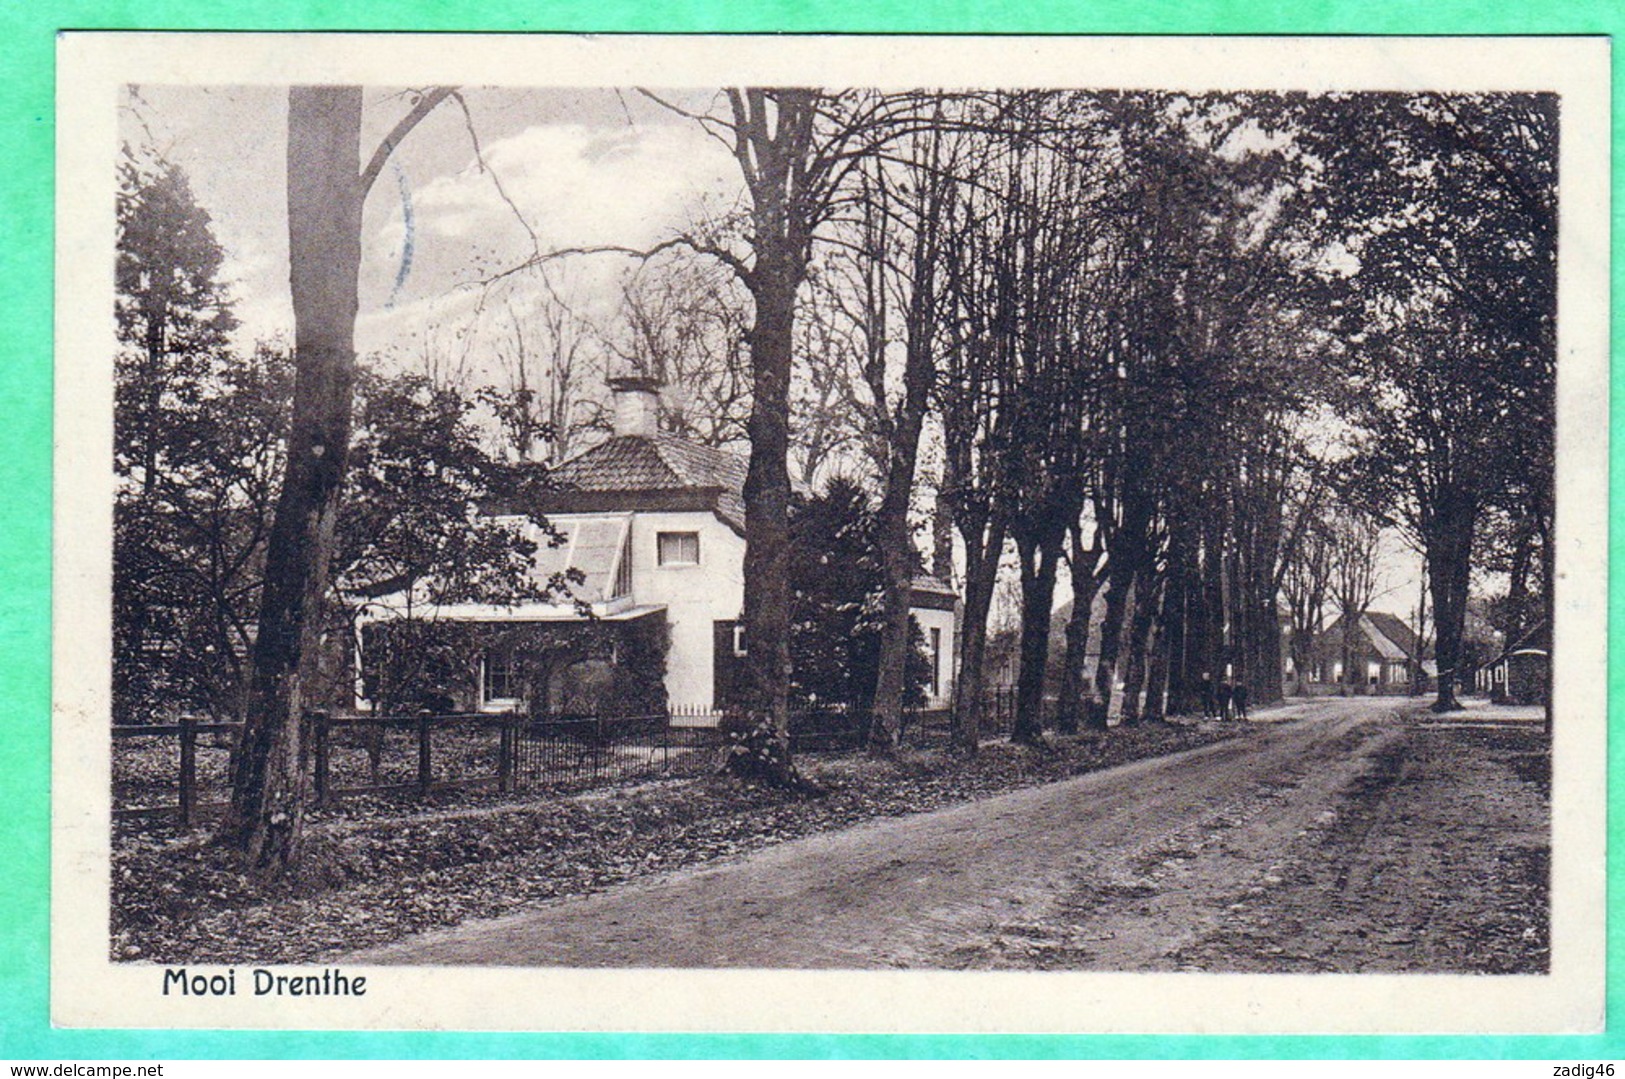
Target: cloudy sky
x,y
582,168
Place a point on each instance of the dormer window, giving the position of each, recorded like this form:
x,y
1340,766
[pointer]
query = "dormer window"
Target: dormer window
x,y
677,548
623,571
591,555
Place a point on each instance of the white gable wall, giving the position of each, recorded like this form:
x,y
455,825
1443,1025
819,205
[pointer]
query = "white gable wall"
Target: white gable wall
x,y
698,596
695,597
943,623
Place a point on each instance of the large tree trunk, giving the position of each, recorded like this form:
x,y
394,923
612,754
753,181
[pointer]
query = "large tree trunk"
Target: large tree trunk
x,y
1173,683
1518,586
1195,650
772,142
1127,556
1265,662
919,372
897,562
1039,560
767,487
1346,638
1118,582
1449,540
1304,633
1213,591
1158,678
1236,611
982,566
324,239
896,544
1145,610
1071,702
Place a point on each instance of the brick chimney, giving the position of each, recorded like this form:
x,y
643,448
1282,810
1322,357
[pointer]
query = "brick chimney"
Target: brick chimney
x,y
637,405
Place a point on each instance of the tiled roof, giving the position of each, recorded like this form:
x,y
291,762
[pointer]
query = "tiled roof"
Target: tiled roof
x,y
932,593
662,463
1395,629
705,467
1388,634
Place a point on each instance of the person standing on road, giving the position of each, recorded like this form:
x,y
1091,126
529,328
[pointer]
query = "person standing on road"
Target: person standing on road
x,y
1225,691
1209,701
1238,697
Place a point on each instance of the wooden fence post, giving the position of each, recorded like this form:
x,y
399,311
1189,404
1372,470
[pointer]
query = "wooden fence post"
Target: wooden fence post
x,y
376,728
188,769
505,754
320,731
425,762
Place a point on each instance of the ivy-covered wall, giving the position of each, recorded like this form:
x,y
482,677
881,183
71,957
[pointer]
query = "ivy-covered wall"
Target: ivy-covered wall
x,y
610,668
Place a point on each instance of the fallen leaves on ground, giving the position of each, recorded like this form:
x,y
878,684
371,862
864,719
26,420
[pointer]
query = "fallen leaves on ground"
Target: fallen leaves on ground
x,y
377,870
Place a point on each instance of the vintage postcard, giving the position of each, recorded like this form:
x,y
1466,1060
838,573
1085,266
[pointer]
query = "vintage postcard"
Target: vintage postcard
x,y
834,534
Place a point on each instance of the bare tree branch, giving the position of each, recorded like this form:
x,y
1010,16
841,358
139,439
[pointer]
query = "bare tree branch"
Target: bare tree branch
x,y
425,105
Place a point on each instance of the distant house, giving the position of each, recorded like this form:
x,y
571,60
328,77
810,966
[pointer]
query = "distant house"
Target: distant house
x,y
1522,673
1382,651
934,606
653,530
1481,642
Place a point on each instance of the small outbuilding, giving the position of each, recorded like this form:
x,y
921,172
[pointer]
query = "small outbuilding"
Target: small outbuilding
x,y
1523,673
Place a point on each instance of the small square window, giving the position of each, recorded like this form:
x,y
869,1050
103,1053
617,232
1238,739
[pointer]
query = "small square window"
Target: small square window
x,y
677,548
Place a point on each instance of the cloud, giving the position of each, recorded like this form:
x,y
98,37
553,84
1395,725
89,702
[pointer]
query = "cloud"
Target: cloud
x,y
578,186
575,185
611,180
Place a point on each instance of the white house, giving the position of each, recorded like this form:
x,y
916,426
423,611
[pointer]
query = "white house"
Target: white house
x,y
653,531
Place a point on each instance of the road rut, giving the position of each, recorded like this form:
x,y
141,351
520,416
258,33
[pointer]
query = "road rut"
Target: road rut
x,y
1135,862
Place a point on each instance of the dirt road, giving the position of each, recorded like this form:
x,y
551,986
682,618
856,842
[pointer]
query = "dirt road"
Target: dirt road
x,y
1349,836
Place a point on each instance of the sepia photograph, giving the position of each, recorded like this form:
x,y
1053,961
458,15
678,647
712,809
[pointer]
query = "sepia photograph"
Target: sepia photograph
x,y
961,520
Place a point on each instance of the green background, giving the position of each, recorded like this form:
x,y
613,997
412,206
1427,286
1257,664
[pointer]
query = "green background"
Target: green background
x,y
27,73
